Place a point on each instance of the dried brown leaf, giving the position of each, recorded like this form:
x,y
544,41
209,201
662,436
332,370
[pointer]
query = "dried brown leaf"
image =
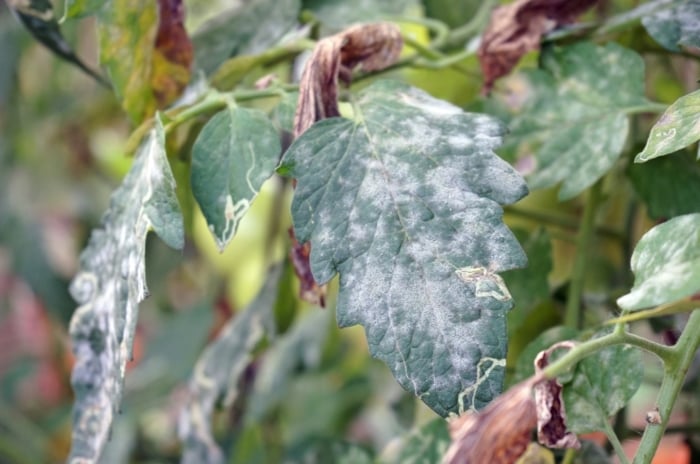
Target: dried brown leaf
x,y
517,28
173,53
372,46
499,434
309,289
551,415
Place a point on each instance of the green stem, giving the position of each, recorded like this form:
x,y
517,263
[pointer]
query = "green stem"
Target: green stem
x,y
615,442
461,34
559,220
569,456
583,241
582,350
650,107
676,368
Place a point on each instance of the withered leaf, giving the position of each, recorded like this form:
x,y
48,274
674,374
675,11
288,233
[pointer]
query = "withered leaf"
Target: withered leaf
x,y
372,46
500,433
173,53
517,28
309,289
551,416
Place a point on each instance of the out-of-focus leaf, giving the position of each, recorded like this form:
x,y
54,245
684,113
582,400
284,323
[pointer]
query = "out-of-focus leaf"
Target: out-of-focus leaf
x,y
420,240
38,17
236,151
536,454
669,186
678,127
602,385
81,8
218,371
172,56
517,28
127,30
451,12
109,287
591,453
524,367
529,286
572,115
147,52
676,24
247,29
335,14
301,346
283,114
666,264
426,445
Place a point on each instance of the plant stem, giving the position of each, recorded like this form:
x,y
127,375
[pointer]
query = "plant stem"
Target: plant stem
x,y
676,368
584,349
615,442
583,241
559,220
461,34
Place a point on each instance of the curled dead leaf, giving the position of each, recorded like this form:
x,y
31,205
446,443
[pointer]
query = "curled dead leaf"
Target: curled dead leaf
x,y
500,433
517,28
173,53
309,289
551,415
372,46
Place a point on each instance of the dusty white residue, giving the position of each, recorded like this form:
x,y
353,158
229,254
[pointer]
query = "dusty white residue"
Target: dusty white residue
x,y
487,284
469,393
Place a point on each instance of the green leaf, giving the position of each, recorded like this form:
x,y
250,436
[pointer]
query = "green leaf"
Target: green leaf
x,y
82,8
666,264
427,445
236,151
301,346
677,23
38,17
247,29
451,12
573,113
530,286
602,385
109,286
127,30
403,203
669,186
218,371
336,14
678,127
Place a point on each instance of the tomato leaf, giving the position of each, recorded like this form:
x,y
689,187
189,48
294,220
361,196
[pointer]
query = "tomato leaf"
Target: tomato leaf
x,y
669,186
109,287
602,385
403,203
678,127
675,25
219,369
666,264
573,113
237,150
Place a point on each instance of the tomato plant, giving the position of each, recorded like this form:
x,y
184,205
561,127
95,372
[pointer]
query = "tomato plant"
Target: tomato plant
x,y
505,198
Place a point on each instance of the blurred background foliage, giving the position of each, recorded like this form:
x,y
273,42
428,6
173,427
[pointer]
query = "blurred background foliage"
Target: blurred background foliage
x,y
62,152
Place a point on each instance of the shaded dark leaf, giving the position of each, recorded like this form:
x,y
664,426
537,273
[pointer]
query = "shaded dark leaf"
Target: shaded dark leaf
x,y
517,28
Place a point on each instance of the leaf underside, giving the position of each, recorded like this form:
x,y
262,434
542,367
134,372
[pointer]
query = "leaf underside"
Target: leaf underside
x,y
571,114
109,287
403,203
666,264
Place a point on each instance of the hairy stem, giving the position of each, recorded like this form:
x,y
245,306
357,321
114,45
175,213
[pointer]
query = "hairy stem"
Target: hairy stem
x,y
675,371
572,316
